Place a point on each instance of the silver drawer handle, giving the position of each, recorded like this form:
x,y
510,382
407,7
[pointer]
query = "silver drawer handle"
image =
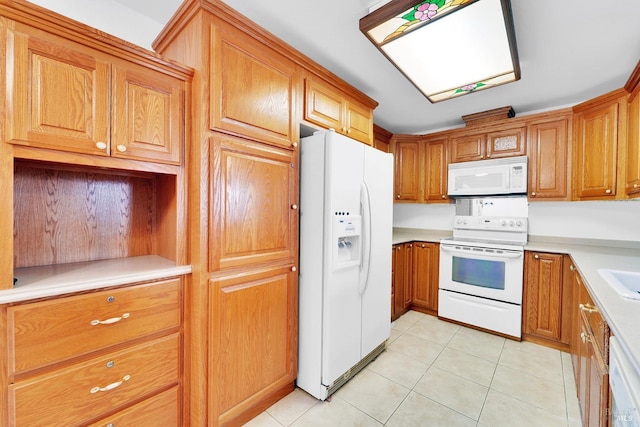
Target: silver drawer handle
x,y
111,386
110,321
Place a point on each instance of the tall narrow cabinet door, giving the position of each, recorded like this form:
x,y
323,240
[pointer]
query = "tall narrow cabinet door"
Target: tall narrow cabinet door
x,y
60,96
597,151
425,283
254,89
633,145
549,160
253,214
436,159
407,171
252,339
542,306
147,115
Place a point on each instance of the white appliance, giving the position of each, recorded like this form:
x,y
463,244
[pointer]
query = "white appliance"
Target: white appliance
x,y
482,266
346,209
488,177
624,381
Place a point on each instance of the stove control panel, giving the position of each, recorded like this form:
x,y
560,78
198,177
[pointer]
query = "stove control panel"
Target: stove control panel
x,y
514,224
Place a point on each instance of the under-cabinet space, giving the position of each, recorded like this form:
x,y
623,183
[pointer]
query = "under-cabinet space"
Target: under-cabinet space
x,y
65,215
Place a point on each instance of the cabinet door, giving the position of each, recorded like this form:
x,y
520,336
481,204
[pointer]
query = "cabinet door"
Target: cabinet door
x,y
407,288
252,339
59,97
147,115
633,146
549,160
253,214
407,171
543,291
466,148
359,123
323,106
598,392
436,159
253,88
425,284
397,281
596,151
506,143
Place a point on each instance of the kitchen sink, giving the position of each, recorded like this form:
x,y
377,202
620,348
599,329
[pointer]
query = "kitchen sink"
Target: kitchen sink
x,y
625,283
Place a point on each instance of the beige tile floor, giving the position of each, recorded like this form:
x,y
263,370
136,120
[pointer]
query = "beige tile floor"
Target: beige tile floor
x,y
435,373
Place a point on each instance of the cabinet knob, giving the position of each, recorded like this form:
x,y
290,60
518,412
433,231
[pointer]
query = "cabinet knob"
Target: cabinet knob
x,y
349,130
482,157
572,268
398,197
536,256
294,207
635,185
423,245
533,194
444,196
294,145
294,269
608,191
100,145
121,148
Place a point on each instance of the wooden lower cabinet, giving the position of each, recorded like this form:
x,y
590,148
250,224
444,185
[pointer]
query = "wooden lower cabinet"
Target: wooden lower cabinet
x,y
401,265
103,355
426,257
547,296
590,359
252,342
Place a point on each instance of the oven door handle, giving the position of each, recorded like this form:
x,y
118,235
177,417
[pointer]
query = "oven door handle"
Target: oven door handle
x,y
509,254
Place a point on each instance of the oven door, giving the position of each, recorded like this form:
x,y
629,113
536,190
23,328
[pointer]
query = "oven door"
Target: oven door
x,y
488,272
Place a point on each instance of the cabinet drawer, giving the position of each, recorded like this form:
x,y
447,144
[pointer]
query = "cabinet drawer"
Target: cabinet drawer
x,y
47,332
160,410
597,327
86,390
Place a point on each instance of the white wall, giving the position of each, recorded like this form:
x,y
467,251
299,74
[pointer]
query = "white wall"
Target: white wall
x,y
108,16
612,220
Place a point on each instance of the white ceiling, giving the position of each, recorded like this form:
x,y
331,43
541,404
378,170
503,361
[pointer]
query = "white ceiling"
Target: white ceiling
x,y
570,51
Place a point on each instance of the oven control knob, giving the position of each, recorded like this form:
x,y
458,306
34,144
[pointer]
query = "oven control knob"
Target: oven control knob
x,y
503,223
511,223
519,223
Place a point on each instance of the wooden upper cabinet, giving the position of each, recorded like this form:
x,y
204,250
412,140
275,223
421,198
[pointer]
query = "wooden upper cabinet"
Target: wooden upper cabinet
x,y
67,97
407,170
465,148
59,97
632,185
436,159
596,146
147,115
488,145
253,89
330,108
381,139
253,215
549,155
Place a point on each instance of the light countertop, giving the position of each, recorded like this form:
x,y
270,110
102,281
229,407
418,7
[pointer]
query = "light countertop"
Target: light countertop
x,y
588,255
59,279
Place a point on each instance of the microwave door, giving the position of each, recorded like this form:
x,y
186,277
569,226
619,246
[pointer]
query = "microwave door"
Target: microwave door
x,y
479,181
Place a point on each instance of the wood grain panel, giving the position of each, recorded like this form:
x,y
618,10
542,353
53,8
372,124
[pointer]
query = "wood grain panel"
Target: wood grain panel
x,y
436,160
147,111
543,295
48,332
254,185
426,258
41,400
60,97
549,157
161,410
66,216
465,148
253,335
407,170
359,123
253,90
632,186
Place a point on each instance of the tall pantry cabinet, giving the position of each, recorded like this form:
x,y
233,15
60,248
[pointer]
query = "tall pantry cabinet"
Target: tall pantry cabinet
x,y
242,165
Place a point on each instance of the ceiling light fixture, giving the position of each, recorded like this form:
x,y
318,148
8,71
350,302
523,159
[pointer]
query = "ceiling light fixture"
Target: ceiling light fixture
x,y
447,48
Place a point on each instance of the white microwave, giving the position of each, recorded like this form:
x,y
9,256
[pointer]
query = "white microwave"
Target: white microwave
x,y
488,177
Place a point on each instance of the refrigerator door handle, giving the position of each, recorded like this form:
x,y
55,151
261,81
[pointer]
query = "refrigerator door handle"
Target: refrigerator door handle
x,y
365,206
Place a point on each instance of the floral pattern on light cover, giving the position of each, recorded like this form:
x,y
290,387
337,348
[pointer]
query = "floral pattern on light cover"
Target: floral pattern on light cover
x,y
425,11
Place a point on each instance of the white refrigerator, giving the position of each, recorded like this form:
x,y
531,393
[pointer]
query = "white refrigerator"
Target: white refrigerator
x,y
346,209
